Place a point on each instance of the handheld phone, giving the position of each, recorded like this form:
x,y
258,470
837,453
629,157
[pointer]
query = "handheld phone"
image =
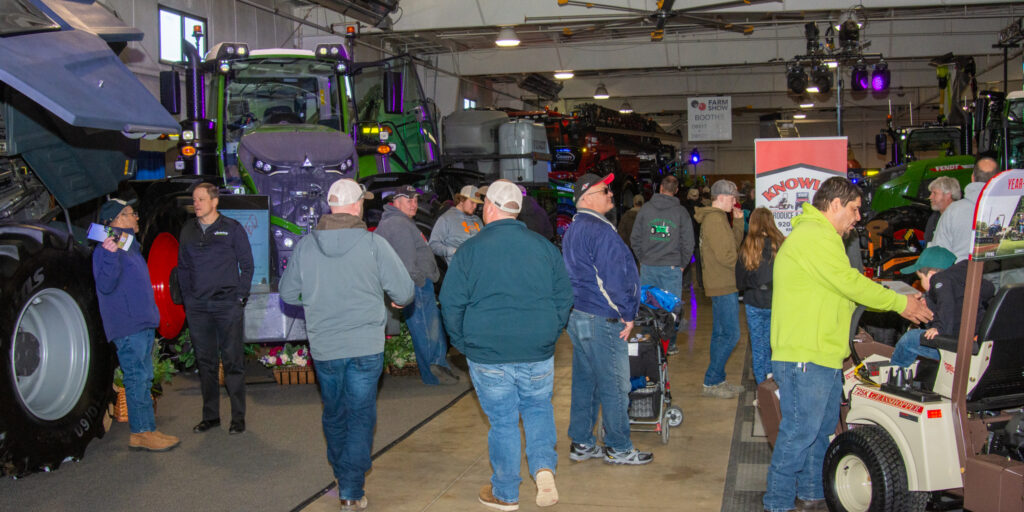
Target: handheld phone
x,y
99,233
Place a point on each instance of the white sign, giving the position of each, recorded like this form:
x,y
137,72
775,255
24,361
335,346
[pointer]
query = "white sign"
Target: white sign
x,y
709,118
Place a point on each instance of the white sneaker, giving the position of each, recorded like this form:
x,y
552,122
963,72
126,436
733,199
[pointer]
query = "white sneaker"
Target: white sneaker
x,y
547,493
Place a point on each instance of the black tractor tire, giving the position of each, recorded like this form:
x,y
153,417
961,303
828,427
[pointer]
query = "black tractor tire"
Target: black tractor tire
x,y
56,366
864,472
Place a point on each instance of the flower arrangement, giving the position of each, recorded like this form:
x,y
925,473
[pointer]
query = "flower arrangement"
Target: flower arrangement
x,y
398,350
285,356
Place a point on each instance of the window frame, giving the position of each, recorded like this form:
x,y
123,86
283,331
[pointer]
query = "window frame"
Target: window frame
x,y
182,31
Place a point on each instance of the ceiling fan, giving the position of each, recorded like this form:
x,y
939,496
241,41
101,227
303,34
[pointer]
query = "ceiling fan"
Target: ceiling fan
x,y
665,14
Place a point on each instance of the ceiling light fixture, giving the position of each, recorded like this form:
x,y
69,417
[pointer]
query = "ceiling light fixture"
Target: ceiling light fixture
x,y
880,77
799,116
796,78
564,74
507,38
601,93
822,77
813,88
806,105
626,108
859,76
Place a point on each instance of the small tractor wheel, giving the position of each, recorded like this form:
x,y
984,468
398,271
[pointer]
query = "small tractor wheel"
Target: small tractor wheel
x,y
864,471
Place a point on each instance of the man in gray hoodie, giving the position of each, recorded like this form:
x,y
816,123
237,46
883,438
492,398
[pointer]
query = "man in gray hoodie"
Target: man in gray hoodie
x,y
423,318
662,240
456,225
340,274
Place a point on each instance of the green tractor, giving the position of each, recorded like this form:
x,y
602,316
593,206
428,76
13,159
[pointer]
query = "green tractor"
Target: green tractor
x,y
920,154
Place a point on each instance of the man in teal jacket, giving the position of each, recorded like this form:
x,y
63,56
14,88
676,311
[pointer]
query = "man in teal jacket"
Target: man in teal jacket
x,y
815,293
340,274
505,299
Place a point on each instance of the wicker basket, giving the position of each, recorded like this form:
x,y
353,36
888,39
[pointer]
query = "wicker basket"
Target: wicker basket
x,y
295,375
119,410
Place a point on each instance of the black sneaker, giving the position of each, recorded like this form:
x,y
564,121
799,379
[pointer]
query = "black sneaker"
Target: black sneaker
x,y
580,452
633,457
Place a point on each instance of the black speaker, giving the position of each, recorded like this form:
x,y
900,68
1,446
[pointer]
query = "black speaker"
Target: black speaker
x,y
170,91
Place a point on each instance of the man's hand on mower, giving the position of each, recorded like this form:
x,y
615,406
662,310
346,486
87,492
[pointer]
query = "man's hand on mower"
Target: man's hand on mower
x,y
917,311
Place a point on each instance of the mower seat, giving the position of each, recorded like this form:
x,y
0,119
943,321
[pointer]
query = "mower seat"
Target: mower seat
x,y
1001,386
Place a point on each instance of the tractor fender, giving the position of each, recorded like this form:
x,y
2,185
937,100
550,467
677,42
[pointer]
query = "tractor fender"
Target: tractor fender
x,y
926,445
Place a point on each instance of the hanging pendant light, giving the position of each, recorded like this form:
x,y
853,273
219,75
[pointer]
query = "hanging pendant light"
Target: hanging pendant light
x,y
601,93
507,38
626,108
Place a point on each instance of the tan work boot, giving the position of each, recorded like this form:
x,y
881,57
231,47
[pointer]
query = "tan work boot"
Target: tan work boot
x,y
172,439
152,441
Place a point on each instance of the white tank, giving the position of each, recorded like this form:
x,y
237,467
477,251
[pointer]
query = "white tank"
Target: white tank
x,y
521,136
474,132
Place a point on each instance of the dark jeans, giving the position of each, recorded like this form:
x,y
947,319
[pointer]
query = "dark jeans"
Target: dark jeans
x,y
429,341
809,397
759,326
216,331
348,388
134,353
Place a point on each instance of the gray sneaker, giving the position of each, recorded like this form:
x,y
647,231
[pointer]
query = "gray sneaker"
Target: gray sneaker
x,y
738,388
633,457
444,375
720,390
580,452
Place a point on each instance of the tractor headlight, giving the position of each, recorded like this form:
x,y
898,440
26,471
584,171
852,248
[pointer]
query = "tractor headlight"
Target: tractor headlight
x,y
188,135
288,243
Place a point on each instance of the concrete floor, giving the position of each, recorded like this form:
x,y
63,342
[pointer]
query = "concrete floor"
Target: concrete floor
x,y
442,466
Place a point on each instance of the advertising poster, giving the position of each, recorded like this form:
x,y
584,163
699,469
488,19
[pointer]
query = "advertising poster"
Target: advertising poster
x,y
789,171
709,118
999,218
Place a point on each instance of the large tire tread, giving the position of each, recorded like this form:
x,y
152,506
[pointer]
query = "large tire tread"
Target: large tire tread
x,y
879,453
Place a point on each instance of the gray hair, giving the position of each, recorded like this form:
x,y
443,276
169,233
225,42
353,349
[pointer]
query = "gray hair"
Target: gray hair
x,y
946,185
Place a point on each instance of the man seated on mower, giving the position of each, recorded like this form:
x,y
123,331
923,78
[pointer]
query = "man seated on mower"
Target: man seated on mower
x,y
943,283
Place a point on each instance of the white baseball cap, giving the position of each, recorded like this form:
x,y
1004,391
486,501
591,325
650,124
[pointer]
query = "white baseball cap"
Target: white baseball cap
x,y
506,196
345,192
470,192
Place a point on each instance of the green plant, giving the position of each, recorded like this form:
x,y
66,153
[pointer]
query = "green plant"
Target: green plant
x,y
163,372
398,351
182,353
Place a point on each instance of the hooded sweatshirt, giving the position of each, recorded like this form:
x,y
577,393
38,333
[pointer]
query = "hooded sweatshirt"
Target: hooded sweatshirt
x,y
815,293
662,234
718,250
410,245
451,230
340,274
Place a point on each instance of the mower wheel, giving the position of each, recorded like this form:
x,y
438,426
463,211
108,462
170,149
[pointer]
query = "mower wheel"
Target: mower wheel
x,y
864,471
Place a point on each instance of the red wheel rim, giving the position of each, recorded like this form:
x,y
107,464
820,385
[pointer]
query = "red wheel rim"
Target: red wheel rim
x,y
163,256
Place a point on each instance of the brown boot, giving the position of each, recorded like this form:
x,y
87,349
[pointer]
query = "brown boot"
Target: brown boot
x,y
170,438
151,441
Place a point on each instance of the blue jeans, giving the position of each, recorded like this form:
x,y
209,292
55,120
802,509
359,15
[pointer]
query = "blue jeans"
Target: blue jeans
x,y
908,348
759,325
348,389
429,341
725,332
809,397
507,392
600,378
135,355
668,278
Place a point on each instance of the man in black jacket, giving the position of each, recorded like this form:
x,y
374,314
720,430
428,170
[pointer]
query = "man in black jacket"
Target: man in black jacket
x,y
215,269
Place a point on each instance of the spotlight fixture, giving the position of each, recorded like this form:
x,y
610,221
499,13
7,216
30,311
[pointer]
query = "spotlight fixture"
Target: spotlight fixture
x,y
813,88
811,33
880,77
564,74
799,116
601,93
507,37
626,108
694,156
849,34
806,105
796,78
822,77
859,77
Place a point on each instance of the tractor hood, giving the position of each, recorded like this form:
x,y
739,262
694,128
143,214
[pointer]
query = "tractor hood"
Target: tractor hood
x,y
293,149
70,70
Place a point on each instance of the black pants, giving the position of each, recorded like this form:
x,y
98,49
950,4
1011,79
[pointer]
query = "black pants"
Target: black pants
x,y
216,330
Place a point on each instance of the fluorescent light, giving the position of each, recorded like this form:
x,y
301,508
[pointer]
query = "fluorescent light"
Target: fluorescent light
x,y
601,93
564,74
799,116
832,64
806,105
507,37
813,88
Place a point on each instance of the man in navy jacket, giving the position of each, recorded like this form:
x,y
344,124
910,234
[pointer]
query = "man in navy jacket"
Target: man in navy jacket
x,y
606,290
215,270
130,318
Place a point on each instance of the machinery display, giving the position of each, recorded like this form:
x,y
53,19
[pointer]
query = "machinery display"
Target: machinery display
x,y
70,116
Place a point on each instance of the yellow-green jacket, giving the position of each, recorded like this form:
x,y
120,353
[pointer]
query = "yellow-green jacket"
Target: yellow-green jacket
x,y
816,291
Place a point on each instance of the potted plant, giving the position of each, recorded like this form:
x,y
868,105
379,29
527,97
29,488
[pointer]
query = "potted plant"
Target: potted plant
x,y
291,364
399,356
163,373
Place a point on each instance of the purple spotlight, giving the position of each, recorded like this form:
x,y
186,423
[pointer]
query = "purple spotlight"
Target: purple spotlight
x,y
880,77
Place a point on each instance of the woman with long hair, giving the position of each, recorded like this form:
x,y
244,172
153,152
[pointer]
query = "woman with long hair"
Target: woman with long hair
x,y
754,279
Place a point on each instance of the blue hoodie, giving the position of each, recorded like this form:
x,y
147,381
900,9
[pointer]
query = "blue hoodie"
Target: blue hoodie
x,y
604,278
124,291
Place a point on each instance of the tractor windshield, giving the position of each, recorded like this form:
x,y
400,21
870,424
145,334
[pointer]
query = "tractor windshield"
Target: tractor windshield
x,y
1015,133
927,143
282,91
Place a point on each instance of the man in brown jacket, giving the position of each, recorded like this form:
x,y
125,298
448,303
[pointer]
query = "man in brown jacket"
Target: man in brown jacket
x,y
718,248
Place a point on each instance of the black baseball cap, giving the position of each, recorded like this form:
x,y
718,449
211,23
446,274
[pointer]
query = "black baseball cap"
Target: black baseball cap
x,y
586,181
405,191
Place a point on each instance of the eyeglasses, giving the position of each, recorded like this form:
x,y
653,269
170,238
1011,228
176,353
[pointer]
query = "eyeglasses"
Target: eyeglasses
x,y
132,213
605,190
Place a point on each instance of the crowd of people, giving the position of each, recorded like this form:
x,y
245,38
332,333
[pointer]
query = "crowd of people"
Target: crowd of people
x,y
507,295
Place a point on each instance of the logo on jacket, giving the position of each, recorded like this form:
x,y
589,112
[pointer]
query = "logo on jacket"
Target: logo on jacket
x,y
661,229
220,233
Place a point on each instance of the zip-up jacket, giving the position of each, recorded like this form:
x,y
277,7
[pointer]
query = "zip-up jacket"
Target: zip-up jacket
x,y
410,245
662,233
718,250
342,275
815,293
125,294
605,281
506,296
216,265
451,230
945,298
